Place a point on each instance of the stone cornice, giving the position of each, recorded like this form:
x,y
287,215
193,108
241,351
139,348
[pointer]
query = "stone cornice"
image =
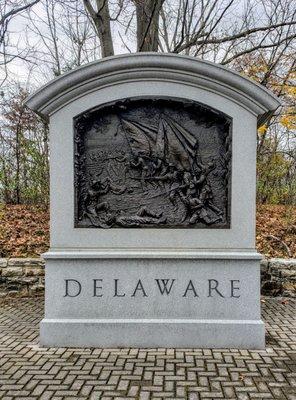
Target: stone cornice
x,y
160,67
150,254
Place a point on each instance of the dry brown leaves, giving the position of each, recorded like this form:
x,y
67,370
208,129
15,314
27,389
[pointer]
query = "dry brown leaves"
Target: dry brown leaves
x,y
24,231
276,231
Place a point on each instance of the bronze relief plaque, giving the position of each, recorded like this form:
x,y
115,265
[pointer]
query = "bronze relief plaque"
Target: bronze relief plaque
x,y
158,163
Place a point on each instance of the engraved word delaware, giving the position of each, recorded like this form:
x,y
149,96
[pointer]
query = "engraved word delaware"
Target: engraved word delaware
x,y
164,287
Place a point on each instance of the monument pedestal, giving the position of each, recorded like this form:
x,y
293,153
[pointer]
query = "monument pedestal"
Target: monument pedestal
x,y
199,300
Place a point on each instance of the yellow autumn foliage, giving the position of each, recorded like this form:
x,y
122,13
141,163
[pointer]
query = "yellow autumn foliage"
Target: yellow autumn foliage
x,y
288,121
262,129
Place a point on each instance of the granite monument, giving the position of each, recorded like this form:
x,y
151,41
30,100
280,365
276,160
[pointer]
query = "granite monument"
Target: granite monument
x,y
153,180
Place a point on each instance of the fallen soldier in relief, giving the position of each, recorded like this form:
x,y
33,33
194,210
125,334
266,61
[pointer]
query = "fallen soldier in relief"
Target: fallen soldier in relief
x,y
102,217
143,216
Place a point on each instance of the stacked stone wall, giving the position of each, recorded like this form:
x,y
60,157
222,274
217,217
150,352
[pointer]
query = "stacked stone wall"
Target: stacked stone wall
x,y
21,276
278,277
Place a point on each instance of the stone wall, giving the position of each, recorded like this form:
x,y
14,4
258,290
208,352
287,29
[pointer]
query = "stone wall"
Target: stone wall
x,y
278,277
25,276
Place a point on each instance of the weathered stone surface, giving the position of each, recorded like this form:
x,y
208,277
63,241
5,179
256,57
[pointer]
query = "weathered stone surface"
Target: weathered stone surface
x,y
21,275
264,266
15,262
13,271
289,263
3,262
38,288
34,270
32,262
278,277
30,279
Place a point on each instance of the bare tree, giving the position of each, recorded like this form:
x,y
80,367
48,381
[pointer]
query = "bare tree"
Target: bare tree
x,y
100,16
9,9
64,36
148,13
254,37
23,151
205,28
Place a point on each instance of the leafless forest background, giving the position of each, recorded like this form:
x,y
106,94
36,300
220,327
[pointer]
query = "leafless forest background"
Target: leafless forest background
x,y
42,39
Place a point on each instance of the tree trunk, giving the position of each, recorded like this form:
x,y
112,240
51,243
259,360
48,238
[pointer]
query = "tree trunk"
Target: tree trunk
x,y
7,197
101,20
147,24
18,166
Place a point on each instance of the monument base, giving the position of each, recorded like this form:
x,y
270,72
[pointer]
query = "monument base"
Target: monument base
x,y
182,333
201,300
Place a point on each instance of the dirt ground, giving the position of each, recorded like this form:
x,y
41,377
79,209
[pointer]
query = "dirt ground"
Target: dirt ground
x,y
24,231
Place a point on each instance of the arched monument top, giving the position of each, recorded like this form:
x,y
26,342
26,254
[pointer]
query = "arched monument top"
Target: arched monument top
x,y
160,67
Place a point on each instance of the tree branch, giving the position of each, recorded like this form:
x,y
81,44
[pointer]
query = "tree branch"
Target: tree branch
x,y
260,46
15,11
247,32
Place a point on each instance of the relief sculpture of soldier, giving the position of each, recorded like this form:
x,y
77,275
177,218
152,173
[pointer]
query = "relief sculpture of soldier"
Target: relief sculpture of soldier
x,y
139,175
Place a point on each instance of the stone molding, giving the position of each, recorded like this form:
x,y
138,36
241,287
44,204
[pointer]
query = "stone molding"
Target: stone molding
x,y
278,276
150,253
161,67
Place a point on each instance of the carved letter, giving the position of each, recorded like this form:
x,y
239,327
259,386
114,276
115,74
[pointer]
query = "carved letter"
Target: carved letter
x,y
67,294
215,287
97,287
190,286
139,287
163,285
116,289
233,288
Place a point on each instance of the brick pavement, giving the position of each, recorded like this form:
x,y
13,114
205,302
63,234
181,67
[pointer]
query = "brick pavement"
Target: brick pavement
x,y
28,371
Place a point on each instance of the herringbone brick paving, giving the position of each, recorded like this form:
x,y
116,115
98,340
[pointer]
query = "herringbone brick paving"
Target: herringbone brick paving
x,y
28,371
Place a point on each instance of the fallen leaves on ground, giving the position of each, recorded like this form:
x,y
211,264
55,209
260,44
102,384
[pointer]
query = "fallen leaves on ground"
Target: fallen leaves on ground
x,y
276,231
24,230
